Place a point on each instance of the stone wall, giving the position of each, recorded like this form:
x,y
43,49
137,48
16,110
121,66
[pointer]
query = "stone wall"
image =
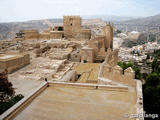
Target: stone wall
x,y
44,36
108,33
84,34
87,54
116,74
72,25
98,44
75,56
73,28
31,34
56,34
15,62
111,71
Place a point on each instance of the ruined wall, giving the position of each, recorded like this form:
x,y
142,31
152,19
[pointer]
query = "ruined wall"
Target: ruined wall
x,y
75,56
87,54
114,72
31,34
108,32
16,62
101,43
56,34
85,34
98,44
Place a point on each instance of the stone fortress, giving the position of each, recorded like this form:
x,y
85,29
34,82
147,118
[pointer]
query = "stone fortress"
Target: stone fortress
x,y
75,63
98,46
71,29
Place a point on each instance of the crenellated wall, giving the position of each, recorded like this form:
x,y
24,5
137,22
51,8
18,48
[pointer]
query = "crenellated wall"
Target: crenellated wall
x,y
116,74
112,72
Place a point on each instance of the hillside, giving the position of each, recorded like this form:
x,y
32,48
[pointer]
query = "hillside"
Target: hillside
x,y
152,20
8,30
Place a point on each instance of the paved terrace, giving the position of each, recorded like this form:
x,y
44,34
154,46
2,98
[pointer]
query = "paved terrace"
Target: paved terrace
x,y
61,102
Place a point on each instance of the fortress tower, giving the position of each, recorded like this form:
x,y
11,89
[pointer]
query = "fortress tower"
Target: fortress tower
x,y
72,25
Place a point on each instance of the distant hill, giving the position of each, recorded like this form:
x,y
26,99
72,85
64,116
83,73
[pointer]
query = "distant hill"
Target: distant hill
x,y
152,20
112,18
8,30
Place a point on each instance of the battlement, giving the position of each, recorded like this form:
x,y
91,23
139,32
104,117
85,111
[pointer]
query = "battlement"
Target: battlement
x,y
116,74
72,16
111,71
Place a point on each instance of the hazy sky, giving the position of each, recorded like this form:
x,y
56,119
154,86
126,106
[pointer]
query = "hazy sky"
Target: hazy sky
x,y
20,10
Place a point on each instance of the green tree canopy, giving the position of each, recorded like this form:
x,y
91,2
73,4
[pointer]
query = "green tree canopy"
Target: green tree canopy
x,y
124,66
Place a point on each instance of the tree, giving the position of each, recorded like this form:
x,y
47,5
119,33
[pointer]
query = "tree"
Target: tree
x,y
60,28
152,37
151,90
118,31
124,66
84,61
6,90
156,66
7,93
148,56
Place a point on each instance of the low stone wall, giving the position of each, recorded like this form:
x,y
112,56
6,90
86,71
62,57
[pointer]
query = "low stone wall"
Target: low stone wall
x,y
139,104
14,62
90,86
13,111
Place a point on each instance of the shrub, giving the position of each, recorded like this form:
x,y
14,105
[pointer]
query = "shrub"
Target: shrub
x,y
5,105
